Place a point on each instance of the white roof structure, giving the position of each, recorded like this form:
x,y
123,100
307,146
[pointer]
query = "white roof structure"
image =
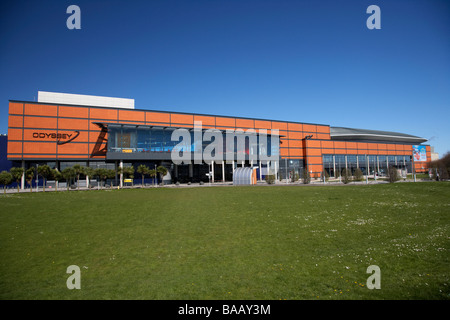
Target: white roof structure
x,y
84,100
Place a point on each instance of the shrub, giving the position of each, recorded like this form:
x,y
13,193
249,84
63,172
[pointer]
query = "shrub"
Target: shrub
x,y
270,178
359,175
346,176
294,176
393,174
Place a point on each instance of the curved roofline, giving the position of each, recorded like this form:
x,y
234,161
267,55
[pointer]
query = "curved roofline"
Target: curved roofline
x,y
342,133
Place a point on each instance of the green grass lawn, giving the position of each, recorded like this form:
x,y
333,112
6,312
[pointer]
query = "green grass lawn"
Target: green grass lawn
x,y
263,242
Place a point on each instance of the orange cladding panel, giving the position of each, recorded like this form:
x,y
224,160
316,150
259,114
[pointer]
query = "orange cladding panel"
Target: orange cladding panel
x,y
15,108
261,124
103,113
244,123
314,152
324,136
15,121
339,145
294,135
295,152
309,128
128,115
313,144
39,147
14,147
295,126
73,148
327,144
314,160
14,134
296,143
73,112
323,129
279,125
182,118
75,124
157,117
40,122
41,110
226,122
205,120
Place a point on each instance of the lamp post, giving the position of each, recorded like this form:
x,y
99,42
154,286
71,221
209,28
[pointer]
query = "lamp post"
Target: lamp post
x,y
37,179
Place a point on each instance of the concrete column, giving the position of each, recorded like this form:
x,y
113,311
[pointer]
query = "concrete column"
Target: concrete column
x,y
368,165
121,173
276,171
191,170
223,171
260,171
22,180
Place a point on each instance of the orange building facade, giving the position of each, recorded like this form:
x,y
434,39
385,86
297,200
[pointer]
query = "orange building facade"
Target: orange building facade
x,y
40,132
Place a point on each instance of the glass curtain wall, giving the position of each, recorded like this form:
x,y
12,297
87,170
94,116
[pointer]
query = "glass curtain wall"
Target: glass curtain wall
x,y
131,139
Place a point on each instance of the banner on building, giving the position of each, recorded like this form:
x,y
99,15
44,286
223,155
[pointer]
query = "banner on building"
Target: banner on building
x,y
420,153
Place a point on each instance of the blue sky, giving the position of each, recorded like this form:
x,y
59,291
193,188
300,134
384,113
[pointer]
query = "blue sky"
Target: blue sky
x,y
307,61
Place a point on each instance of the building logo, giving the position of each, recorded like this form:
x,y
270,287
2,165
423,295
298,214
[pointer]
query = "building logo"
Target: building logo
x,y
61,138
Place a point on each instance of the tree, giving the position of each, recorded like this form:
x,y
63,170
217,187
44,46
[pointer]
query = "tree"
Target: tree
x,y
143,170
89,172
78,171
152,173
393,174
5,179
57,176
68,174
306,176
104,174
129,172
17,174
44,171
325,175
162,172
29,175
100,173
110,174
441,167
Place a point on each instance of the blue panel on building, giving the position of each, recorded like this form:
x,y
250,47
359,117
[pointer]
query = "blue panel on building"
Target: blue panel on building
x,y
4,163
